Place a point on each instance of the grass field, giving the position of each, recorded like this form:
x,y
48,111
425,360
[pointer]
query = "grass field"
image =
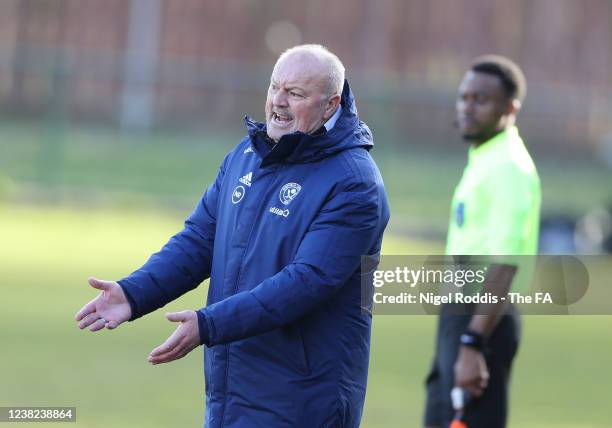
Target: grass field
x,y
76,203
170,170
562,376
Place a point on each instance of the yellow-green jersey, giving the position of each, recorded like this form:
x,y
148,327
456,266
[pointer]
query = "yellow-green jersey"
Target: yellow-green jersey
x,y
496,205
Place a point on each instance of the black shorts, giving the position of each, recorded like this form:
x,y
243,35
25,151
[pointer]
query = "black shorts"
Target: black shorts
x,y
491,409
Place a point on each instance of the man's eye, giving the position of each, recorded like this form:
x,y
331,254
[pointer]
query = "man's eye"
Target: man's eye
x,y
296,95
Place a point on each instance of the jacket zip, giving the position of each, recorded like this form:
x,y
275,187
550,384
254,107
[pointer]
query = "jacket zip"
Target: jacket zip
x,y
238,277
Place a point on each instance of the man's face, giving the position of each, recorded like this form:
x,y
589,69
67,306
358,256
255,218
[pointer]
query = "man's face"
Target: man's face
x,y
482,107
298,99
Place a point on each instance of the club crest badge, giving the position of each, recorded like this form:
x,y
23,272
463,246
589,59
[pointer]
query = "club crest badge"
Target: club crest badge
x,y
460,214
289,192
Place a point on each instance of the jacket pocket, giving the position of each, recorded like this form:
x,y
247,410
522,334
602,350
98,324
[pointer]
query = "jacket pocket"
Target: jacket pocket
x,y
298,349
334,420
369,264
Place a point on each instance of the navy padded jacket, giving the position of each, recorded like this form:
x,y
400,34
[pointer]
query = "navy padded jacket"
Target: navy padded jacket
x,y
280,233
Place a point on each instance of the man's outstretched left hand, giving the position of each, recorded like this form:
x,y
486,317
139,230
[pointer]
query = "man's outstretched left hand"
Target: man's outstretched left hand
x,y
185,338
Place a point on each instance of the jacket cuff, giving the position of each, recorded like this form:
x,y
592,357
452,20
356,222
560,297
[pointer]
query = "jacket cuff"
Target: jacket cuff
x,y
130,300
203,327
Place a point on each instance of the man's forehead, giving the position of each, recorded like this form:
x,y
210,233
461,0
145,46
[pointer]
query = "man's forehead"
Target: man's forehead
x,y
480,82
298,70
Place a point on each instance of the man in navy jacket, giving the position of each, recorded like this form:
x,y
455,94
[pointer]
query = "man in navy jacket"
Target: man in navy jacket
x,y
280,233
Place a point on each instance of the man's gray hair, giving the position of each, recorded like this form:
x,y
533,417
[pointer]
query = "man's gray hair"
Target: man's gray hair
x,y
335,68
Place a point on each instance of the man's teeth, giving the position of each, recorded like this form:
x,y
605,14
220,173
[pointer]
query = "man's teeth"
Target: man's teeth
x,y
281,118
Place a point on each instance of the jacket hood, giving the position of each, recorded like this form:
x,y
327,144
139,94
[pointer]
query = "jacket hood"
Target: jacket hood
x,y
348,132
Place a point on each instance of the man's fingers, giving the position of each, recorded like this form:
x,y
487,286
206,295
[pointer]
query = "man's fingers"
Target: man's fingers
x,y
178,316
475,392
179,351
98,325
88,320
484,379
483,383
169,355
85,310
95,319
168,345
175,354
100,284
477,386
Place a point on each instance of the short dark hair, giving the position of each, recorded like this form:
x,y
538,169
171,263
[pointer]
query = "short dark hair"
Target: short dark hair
x,y
508,72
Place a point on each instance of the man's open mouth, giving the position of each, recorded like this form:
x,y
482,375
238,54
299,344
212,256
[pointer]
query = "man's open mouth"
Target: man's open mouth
x,y
281,119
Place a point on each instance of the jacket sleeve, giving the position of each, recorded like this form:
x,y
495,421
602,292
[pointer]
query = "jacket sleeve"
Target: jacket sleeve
x,y
347,226
182,264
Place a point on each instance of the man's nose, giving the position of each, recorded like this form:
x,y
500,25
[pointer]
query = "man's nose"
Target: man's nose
x,y
280,99
467,106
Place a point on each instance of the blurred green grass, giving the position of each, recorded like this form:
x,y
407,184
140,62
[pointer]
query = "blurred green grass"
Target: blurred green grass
x,y
562,375
170,169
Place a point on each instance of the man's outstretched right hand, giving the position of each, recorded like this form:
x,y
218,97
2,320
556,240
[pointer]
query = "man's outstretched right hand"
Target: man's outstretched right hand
x,y
109,309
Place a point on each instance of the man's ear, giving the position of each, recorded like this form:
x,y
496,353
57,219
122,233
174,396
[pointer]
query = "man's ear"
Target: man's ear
x,y
513,107
332,103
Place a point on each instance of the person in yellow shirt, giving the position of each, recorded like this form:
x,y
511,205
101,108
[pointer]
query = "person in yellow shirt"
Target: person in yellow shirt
x,y
495,211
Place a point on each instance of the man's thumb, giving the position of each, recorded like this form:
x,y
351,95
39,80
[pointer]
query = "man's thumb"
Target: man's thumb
x,y
178,316
100,284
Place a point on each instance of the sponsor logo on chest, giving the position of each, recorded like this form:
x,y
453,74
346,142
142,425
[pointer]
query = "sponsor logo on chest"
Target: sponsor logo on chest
x,y
239,191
